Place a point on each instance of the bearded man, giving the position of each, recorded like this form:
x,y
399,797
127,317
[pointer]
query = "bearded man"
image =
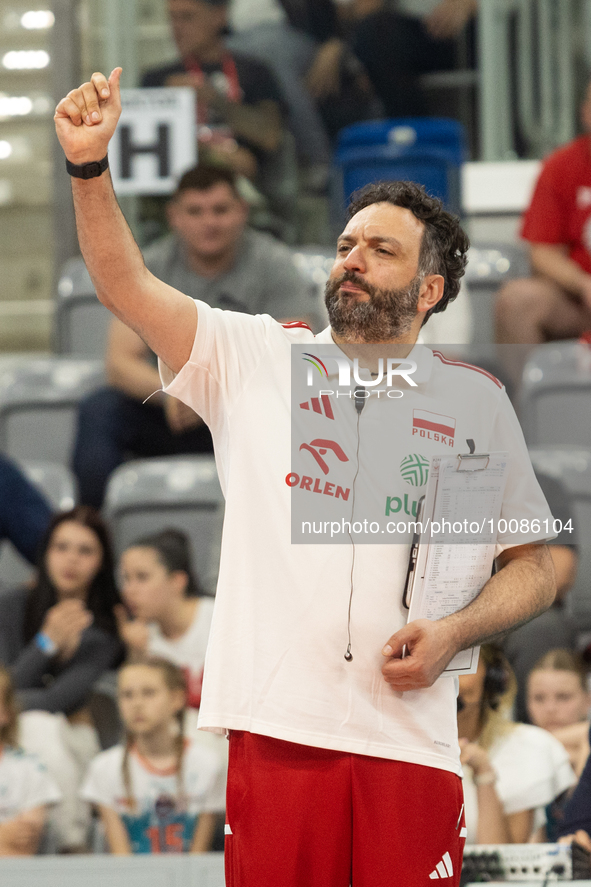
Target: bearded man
x,y
344,757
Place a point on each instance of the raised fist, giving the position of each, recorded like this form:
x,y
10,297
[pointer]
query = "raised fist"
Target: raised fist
x,y
86,118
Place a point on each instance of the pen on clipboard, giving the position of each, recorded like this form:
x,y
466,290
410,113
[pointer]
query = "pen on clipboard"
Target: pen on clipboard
x,y
412,563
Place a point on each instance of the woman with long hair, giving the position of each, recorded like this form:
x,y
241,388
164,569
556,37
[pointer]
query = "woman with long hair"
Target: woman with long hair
x,y
165,612
56,638
558,700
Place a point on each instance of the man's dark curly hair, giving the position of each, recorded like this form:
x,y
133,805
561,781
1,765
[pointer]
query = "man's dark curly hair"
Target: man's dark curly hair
x,y
444,245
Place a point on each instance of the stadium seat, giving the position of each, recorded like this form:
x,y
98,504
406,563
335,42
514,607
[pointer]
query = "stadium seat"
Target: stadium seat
x,y
572,466
555,406
81,322
428,150
149,495
59,487
489,267
39,398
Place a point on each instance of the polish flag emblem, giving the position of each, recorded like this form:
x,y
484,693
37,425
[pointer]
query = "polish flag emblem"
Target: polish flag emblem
x,y
422,419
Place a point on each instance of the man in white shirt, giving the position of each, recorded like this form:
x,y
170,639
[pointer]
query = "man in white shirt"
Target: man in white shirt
x,y
344,760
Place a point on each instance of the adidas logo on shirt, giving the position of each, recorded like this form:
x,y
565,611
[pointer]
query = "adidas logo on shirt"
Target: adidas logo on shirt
x,y
443,869
320,405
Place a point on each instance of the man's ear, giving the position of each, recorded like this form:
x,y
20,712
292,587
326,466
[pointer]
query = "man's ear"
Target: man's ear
x,y
431,292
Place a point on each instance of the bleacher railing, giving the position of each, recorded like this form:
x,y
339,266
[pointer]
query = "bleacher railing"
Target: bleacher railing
x,y
527,59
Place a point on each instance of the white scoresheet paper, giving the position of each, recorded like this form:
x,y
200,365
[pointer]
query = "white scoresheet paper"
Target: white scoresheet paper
x,y
454,554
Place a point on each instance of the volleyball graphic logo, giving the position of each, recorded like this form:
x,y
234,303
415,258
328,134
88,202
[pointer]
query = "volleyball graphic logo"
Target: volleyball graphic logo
x,y
415,470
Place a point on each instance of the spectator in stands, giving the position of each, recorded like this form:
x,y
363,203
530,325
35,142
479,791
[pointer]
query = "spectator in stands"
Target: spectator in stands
x,y
57,638
26,789
165,613
239,104
552,629
213,256
555,303
398,42
576,819
301,43
24,512
511,770
158,792
558,700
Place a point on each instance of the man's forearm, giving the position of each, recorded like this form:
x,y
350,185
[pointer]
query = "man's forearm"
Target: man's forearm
x,y
113,259
166,320
524,586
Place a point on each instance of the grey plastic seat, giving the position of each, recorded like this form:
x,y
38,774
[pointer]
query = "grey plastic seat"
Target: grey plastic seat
x,y
181,492
58,485
572,466
556,395
489,267
39,399
81,322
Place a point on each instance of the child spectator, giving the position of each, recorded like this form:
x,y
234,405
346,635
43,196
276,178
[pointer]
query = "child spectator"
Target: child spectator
x,y
56,639
558,700
26,789
159,791
170,617
512,771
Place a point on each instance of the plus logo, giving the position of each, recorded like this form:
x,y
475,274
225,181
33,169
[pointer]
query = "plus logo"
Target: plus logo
x,y
319,448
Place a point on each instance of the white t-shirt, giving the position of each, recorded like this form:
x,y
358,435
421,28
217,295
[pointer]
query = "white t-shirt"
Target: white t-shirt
x,y
187,651
275,662
532,769
247,14
161,822
24,784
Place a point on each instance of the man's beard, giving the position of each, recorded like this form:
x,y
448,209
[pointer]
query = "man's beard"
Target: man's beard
x,y
387,315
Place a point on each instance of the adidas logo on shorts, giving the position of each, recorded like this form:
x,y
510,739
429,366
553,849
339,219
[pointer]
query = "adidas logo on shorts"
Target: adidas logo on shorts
x,y
443,869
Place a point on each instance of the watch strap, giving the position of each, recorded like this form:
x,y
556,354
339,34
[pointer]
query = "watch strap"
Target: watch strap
x,y
88,170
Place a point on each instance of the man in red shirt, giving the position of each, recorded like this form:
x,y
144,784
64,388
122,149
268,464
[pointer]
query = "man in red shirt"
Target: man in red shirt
x,y
555,303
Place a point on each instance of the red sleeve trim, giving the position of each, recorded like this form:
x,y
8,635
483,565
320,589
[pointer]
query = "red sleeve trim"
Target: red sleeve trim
x,y
296,324
468,366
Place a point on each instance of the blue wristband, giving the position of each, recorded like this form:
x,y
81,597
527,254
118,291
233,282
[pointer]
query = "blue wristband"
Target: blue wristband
x,y
45,644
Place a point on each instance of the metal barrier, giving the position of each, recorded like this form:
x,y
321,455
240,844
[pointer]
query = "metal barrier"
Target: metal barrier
x,y
182,870
542,78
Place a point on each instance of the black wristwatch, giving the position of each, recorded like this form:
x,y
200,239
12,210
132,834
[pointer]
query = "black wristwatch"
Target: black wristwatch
x,y
88,170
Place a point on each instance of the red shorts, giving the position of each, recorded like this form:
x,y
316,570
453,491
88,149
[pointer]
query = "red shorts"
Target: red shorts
x,y
309,817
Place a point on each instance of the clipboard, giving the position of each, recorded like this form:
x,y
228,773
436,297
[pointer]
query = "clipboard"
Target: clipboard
x,y
453,547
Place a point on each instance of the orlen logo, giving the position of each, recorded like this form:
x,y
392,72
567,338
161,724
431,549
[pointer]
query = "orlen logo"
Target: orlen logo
x,y
319,448
434,426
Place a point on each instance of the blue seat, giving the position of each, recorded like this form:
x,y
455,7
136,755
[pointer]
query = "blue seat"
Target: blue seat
x,y
427,150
